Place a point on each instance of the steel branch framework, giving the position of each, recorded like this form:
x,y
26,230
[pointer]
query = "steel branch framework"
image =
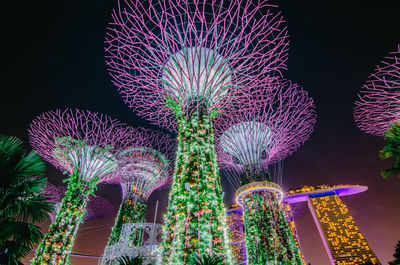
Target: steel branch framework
x,y
84,145
171,56
272,125
143,168
179,64
146,166
378,104
55,193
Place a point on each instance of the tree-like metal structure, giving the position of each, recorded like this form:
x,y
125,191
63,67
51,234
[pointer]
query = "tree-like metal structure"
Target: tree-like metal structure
x,y
378,104
377,110
179,64
83,144
144,167
265,130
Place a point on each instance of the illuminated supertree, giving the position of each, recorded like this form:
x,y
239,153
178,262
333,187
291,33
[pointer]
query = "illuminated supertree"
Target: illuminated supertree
x,y
84,145
377,109
267,129
178,64
143,168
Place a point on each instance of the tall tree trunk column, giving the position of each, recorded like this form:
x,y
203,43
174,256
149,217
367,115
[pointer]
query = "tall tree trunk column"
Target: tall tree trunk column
x,y
56,246
132,210
195,221
268,236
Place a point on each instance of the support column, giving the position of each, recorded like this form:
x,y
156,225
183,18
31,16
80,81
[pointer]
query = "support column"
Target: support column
x,y
56,246
195,222
268,236
132,210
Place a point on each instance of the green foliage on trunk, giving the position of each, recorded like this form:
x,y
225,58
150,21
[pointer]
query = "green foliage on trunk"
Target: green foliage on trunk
x,y
57,243
131,211
207,259
195,220
392,149
268,237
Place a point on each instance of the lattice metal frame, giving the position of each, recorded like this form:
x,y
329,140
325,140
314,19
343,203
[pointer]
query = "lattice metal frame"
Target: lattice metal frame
x,y
378,103
170,57
124,247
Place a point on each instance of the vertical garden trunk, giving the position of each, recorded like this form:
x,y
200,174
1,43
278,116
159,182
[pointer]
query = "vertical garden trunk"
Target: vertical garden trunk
x,y
132,210
195,221
268,237
56,246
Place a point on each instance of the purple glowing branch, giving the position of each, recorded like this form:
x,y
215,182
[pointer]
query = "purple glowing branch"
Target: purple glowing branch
x,y
378,103
169,57
146,165
98,207
237,174
271,126
79,142
55,193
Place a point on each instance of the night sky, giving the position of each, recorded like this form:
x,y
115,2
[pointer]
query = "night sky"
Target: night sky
x,y
52,56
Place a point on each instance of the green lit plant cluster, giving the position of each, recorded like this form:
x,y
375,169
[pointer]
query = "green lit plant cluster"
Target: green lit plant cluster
x,y
392,149
268,237
57,244
132,210
195,221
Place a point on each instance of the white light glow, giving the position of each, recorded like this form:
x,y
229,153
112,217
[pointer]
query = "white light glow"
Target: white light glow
x,y
197,74
247,141
88,161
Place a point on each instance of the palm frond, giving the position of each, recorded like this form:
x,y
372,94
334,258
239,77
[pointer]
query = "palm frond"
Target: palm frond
x,y
8,144
22,202
31,165
35,208
126,260
20,232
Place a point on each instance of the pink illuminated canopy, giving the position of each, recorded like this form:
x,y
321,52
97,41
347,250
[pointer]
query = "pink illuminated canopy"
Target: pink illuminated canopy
x,y
378,103
269,127
170,57
79,142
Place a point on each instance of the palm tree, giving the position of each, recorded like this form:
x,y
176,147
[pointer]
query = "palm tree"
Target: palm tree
x,y
392,149
396,255
22,203
207,259
126,260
